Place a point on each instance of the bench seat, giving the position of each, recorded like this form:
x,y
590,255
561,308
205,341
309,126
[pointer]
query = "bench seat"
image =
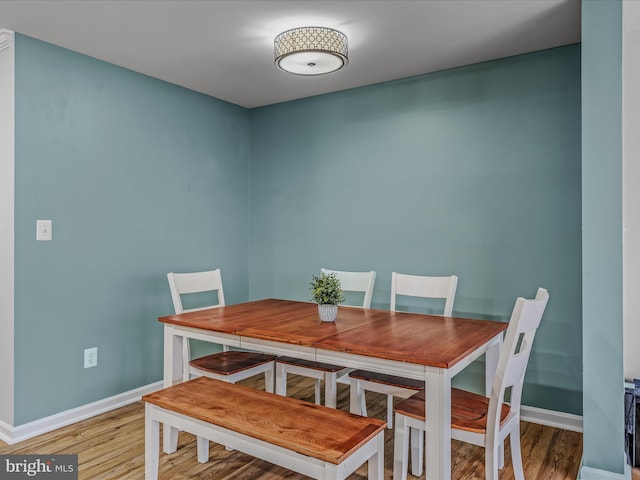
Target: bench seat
x,y
316,441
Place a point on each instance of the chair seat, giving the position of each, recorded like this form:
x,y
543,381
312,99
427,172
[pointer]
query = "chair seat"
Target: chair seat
x,y
324,367
393,380
230,362
468,410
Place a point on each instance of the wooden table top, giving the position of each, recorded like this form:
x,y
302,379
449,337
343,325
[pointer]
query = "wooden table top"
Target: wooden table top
x,y
407,337
233,318
415,338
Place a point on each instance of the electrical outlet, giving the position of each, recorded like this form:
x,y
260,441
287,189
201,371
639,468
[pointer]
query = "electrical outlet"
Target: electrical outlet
x,y
90,357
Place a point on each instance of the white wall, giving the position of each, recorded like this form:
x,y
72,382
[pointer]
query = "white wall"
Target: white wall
x,y
631,185
7,89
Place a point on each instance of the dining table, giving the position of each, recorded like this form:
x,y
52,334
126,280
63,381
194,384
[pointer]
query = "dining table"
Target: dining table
x,y
430,348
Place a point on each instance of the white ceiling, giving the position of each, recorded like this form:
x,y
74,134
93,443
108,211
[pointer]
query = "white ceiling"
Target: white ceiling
x,y
225,48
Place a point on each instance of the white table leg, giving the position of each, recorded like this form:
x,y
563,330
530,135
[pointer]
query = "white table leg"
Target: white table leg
x,y
491,364
172,357
172,375
438,410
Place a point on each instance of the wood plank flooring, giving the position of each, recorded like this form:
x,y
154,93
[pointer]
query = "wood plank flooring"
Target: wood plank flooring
x,y
111,446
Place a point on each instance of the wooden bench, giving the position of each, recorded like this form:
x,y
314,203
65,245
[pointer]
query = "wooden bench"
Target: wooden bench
x,y
316,441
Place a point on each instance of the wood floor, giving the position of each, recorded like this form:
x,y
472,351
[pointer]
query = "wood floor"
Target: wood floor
x,y
111,446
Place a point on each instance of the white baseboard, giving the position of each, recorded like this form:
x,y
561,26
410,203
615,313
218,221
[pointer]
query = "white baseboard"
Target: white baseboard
x,y
11,435
589,473
5,432
566,421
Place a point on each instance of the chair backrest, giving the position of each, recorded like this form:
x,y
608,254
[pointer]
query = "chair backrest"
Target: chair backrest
x,y
515,353
425,287
356,282
197,282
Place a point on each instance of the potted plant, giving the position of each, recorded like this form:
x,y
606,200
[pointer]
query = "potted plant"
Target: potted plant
x,y
327,293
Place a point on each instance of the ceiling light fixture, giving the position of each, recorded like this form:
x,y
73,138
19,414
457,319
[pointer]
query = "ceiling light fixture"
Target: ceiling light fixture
x,y
311,50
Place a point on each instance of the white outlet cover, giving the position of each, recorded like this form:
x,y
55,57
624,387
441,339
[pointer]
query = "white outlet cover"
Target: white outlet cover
x,y
90,357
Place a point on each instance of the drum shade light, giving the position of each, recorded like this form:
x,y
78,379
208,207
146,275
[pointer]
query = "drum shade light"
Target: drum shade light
x,y
311,50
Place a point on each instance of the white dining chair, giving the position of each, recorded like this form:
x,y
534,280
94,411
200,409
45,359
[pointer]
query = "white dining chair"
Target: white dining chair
x,y
229,365
358,282
476,419
391,385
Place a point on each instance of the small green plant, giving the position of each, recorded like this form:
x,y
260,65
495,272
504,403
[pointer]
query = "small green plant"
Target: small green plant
x,y
326,289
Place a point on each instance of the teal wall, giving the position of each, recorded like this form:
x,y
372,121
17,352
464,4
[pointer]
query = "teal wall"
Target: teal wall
x,y
473,171
140,178
602,235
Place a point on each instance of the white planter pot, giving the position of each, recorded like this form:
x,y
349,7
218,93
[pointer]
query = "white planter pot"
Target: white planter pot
x,y
327,313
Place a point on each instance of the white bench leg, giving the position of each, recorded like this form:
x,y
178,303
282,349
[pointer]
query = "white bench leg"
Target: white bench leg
x,y
372,452
170,440
203,449
151,446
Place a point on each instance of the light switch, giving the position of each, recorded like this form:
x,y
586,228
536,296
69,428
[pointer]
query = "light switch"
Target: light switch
x,y
43,230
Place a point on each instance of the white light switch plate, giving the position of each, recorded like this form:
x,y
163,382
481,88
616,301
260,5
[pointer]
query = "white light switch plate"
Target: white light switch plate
x,y
43,230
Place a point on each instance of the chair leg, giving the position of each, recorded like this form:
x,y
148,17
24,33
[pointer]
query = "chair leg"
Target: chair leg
x,y
516,453
417,451
355,398
330,389
400,448
389,412
317,392
491,461
363,401
281,380
269,379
